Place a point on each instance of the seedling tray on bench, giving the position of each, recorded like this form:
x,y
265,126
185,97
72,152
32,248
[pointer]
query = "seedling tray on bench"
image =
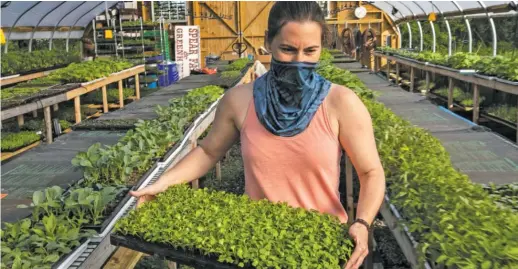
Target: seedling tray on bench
x,y
190,258
66,260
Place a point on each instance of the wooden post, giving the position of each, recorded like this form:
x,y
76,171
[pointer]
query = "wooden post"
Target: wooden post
x,y
121,94
450,93
137,86
349,187
218,171
105,99
35,113
388,70
77,109
427,78
48,124
476,100
376,64
412,79
55,107
195,184
20,120
397,73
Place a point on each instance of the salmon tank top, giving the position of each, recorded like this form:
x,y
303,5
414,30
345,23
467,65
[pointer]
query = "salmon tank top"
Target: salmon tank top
x,y
302,170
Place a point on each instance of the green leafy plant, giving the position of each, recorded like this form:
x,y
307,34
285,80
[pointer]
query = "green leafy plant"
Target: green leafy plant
x,y
125,161
460,96
506,195
89,70
231,74
13,141
16,92
23,61
64,124
96,97
240,231
505,112
455,221
461,60
238,64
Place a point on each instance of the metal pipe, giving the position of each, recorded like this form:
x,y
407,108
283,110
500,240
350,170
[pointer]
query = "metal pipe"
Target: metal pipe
x,y
493,28
57,24
14,24
494,9
468,26
433,36
450,39
70,29
409,35
122,35
38,24
399,37
95,37
421,41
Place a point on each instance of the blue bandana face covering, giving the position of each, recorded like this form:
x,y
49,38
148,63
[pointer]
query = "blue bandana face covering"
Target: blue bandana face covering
x,y
287,97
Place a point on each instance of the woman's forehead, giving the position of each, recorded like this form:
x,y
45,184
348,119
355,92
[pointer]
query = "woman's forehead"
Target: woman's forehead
x,y
300,33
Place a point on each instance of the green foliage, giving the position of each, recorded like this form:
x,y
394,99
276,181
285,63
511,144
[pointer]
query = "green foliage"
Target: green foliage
x,y
230,74
460,96
238,64
344,77
134,153
64,124
89,70
505,112
240,231
15,92
96,97
44,81
506,195
13,141
326,57
23,61
56,225
461,60
453,218
501,66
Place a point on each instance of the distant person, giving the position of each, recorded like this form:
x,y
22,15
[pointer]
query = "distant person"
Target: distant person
x,y
293,124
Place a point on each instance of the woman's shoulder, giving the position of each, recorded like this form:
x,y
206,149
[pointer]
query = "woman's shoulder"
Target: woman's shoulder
x,y
237,98
340,96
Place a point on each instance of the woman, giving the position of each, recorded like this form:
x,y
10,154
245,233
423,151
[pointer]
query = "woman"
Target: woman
x,y
292,124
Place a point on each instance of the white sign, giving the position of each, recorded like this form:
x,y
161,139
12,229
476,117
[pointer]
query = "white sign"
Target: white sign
x,y
187,47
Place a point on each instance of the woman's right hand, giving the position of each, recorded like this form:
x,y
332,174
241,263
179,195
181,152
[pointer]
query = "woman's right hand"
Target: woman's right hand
x,y
148,193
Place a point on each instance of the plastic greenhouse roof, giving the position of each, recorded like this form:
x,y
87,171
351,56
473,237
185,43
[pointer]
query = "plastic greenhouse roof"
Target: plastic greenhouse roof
x,y
408,10
51,13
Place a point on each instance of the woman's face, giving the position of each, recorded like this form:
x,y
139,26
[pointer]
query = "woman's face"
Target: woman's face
x,y
297,41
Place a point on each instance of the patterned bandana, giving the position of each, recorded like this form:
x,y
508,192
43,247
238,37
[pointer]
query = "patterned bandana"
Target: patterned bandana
x,y
287,97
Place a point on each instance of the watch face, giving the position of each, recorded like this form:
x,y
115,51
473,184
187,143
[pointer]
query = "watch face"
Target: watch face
x,y
360,12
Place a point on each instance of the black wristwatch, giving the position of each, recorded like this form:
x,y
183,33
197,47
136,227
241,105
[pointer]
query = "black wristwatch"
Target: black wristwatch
x,y
365,223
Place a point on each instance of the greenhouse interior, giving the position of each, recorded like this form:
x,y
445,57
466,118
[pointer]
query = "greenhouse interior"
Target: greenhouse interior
x,y
105,105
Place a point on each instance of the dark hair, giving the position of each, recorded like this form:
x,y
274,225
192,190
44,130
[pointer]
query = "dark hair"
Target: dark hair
x,y
283,12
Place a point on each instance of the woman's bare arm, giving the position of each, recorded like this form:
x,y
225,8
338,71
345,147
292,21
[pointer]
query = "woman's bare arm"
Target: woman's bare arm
x,y
218,141
356,135
357,138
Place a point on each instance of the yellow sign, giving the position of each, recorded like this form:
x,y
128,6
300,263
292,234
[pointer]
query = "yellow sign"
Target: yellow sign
x,y
2,37
108,34
432,17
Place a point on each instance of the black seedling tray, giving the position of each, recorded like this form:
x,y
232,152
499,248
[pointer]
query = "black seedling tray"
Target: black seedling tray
x,y
37,70
513,83
124,198
64,257
190,258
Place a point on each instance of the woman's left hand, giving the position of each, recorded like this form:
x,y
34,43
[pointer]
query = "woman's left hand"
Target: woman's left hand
x,y
360,235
